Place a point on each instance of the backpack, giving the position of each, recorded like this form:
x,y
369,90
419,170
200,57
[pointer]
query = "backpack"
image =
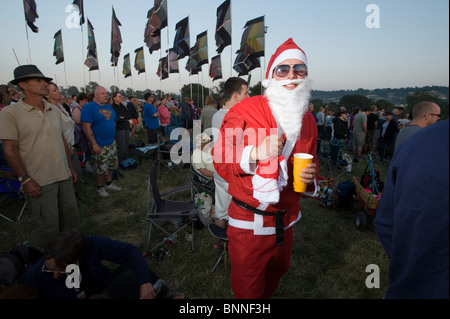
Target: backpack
x,y
345,191
15,263
129,163
368,183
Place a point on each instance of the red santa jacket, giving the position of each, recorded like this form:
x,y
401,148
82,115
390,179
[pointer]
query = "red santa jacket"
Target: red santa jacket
x,y
247,124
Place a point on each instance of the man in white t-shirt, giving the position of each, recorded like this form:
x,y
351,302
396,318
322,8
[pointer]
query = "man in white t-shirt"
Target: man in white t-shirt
x,y
235,90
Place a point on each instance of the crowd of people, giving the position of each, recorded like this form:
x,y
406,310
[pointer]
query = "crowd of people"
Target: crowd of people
x,y
252,169
372,130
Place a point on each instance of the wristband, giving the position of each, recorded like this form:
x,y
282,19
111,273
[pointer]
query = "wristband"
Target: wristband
x,y
26,181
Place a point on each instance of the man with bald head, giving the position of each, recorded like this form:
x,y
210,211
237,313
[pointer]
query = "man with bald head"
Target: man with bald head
x,y
423,114
99,125
254,154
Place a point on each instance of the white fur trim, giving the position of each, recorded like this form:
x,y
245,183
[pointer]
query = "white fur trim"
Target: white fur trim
x,y
257,225
288,55
246,165
265,190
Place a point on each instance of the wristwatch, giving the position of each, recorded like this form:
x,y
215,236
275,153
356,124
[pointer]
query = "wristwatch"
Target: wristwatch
x,y
22,178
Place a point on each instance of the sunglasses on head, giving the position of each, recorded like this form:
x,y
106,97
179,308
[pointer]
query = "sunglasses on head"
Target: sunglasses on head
x,y
284,69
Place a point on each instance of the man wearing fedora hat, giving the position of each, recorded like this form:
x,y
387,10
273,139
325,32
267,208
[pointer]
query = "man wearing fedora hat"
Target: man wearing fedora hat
x,y
35,148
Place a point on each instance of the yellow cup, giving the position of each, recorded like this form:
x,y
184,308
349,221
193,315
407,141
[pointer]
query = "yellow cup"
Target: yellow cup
x,y
300,162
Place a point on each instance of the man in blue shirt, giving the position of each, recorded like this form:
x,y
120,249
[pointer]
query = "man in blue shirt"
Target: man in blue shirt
x,y
151,118
99,125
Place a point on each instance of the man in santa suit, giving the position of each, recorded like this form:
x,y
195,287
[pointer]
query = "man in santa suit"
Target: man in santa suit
x,y
254,154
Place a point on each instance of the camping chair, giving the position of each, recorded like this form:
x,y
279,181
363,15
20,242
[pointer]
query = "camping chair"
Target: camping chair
x,y
164,159
337,160
221,234
10,190
161,212
200,183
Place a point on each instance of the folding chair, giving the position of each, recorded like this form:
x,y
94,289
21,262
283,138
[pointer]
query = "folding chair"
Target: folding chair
x,y
10,190
219,233
161,212
337,160
200,183
164,158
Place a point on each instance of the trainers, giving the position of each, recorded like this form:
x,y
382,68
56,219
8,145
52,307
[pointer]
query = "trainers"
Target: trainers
x,y
102,192
113,187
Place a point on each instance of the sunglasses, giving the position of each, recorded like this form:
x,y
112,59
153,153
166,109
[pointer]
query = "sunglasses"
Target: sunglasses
x,y
438,115
44,269
284,69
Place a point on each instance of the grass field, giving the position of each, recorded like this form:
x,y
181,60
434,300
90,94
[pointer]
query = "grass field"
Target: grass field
x,y
329,257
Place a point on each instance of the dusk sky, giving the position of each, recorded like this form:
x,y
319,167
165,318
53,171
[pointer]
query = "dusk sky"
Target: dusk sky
x,y
346,46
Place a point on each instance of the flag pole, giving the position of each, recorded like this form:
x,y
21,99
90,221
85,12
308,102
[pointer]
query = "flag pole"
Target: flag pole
x,y
65,72
28,42
82,58
231,44
16,57
26,31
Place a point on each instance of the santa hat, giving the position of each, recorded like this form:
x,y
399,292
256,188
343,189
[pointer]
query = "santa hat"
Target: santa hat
x,y
288,50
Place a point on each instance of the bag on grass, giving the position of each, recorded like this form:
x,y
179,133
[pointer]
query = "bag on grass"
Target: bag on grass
x,y
129,163
345,191
15,263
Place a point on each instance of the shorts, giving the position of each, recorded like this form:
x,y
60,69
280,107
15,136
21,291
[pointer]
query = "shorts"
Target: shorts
x,y
359,138
107,159
135,122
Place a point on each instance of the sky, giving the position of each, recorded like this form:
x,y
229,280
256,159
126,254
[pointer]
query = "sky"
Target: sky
x,y
350,44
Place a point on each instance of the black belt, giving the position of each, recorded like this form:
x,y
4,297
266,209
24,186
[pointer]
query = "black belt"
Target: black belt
x,y
279,223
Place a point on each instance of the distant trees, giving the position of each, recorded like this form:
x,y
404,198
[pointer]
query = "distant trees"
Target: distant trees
x,y
421,96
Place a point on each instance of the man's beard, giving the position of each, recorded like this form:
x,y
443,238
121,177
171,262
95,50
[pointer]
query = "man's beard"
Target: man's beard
x,y
288,106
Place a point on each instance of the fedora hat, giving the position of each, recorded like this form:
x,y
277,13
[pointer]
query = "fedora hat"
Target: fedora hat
x,y
25,72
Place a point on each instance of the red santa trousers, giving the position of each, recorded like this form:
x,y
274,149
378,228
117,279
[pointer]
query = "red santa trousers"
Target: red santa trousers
x,y
257,263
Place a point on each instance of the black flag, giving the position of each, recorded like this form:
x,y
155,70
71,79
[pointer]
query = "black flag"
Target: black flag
x,y
31,14
116,39
58,51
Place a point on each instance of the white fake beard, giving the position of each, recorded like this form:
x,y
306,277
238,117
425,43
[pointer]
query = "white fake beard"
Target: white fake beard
x,y
288,106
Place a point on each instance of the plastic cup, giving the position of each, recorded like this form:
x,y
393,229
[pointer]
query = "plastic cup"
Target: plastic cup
x,y
300,162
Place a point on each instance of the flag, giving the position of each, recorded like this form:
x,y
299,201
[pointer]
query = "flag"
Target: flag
x,y
153,42
163,72
223,27
58,50
181,44
116,39
91,59
139,62
31,15
199,51
159,17
126,65
192,67
243,65
215,70
80,5
252,43
173,62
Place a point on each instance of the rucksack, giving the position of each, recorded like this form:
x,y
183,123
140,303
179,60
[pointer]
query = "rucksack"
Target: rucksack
x,y
15,263
129,163
368,183
345,191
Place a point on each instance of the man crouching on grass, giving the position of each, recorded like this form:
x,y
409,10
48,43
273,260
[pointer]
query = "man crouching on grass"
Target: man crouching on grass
x,y
258,165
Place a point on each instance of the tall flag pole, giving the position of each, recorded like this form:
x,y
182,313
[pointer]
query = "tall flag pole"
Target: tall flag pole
x,y
79,6
30,11
58,51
